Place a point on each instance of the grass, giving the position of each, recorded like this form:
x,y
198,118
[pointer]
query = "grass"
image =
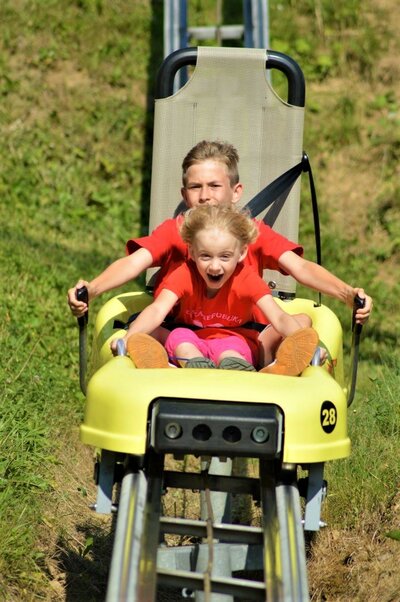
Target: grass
x,y
368,480
75,85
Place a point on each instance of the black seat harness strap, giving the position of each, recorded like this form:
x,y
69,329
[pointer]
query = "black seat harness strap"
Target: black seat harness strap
x,y
279,187
169,324
275,194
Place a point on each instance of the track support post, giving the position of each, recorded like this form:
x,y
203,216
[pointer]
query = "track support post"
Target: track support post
x,y
105,481
316,491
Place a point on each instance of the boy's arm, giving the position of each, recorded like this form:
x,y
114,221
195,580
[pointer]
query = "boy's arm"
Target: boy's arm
x,y
320,279
283,322
118,273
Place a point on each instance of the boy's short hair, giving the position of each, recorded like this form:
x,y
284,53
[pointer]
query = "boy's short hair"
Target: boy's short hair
x,y
214,150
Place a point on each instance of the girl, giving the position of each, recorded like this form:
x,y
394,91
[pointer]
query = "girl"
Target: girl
x,y
211,298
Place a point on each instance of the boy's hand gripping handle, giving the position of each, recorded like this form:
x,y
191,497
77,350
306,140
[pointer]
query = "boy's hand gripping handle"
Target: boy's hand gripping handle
x,y
83,295
355,343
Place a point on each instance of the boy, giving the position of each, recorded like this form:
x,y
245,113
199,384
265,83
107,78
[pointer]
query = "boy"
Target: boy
x,y
210,175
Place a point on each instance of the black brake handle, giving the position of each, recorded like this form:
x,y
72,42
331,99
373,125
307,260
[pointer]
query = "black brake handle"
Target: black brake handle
x,y
358,303
82,294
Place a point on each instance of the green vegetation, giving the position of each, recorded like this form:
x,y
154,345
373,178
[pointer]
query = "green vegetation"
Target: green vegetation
x,y
75,86
366,482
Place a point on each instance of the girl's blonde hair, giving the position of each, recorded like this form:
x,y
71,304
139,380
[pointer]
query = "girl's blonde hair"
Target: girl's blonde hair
x,y
204,217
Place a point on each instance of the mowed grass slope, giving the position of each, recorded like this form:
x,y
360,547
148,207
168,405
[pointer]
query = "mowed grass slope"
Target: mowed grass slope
x,y
75,116
73,88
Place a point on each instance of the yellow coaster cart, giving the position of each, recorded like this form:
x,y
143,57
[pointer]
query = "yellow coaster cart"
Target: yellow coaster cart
x,y
291,426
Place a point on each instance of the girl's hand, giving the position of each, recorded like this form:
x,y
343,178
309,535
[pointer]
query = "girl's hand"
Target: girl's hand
x,y
113,344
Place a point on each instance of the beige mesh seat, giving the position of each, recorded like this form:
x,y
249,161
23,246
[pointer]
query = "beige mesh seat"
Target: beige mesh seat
x,y
229,97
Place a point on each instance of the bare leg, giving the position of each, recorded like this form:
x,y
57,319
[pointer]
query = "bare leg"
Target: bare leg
x,y
193,357
233,360
230,353
188,351
270,339
160,334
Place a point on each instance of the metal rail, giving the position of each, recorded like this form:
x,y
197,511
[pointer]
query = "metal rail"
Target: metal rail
x,y
254,31
133,566
207,567
284,546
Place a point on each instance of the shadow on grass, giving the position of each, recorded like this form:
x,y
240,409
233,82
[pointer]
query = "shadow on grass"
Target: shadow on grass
x,y
86,574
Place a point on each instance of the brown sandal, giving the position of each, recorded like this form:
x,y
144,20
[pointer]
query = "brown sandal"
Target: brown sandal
x,y
146,352
294,353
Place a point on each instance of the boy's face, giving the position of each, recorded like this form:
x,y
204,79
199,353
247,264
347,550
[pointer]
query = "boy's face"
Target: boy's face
x,y
208,182
216,254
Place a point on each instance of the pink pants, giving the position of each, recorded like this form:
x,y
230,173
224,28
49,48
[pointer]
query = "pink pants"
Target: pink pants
x,y
211,348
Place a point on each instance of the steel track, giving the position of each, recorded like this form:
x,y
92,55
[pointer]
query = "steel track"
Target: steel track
x,y
134,574
133,565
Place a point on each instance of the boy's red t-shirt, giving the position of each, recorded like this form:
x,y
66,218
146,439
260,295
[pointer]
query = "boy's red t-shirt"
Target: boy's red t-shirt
x,y
169,251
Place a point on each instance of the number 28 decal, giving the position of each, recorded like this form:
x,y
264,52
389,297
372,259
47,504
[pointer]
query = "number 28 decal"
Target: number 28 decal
x,y
328,416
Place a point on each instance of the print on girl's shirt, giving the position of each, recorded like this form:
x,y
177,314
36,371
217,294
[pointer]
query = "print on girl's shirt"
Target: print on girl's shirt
x,y
199,318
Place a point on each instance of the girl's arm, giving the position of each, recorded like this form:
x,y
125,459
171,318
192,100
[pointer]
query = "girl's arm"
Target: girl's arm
x,y
154,314
283,322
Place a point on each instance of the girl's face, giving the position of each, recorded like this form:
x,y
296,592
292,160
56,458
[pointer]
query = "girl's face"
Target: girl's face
x,y
208,183
216,254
